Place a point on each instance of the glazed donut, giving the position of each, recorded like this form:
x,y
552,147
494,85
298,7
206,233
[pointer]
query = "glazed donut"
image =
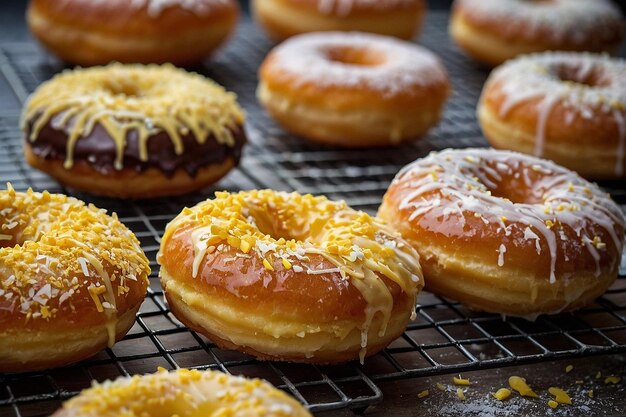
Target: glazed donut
x,y
288,277
507,233
567,107
183,393
71,280
87,32
282,19
353,89
493,31
133,131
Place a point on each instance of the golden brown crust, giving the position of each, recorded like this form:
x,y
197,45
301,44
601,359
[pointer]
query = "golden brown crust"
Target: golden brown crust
x,y
35,351
282,19
88,33
128,183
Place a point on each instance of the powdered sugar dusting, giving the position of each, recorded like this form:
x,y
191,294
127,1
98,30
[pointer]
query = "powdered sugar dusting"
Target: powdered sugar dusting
x,y
561,20
307,58
344,7
156,7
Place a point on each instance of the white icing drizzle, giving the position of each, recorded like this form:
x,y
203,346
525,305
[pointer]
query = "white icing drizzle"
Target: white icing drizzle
x,y
402,66
574,21
538,76
344,7
461,185
156,7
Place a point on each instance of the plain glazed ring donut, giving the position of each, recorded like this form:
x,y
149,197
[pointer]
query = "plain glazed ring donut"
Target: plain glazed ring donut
x,y
507,233
182,393
282,19
493,31
71,280
353,89
87,32
567,107
289,277
133,131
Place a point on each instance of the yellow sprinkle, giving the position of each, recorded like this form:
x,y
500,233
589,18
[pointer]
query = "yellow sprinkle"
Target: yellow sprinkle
x,y
599,375
569,368
245,246
503,218
590,393
440,386
519,385
423,394
460,381
570,187
553,404
502,394
579,381
286,263
460,394
267,265
612,379
550,224
560,396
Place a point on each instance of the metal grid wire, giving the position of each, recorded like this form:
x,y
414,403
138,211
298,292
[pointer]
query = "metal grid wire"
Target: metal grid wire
x,y
446,336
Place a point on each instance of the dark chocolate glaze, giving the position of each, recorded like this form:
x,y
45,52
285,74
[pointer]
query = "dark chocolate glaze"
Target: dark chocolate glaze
x,y
98,150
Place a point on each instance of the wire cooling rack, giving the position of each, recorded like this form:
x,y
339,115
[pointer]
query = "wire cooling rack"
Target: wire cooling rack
x,y
446,337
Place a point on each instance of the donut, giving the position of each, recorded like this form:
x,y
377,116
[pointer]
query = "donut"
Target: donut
x,y
71,280
282,19
87,32
568,107
505,232
493,31
288,277
183,393
353,89
132,131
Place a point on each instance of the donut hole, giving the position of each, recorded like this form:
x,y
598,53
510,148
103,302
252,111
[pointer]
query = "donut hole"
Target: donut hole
x,y
355,56
582,74
518,195
277,224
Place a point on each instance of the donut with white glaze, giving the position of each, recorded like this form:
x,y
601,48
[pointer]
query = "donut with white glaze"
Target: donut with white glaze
x,y
567,107
505,232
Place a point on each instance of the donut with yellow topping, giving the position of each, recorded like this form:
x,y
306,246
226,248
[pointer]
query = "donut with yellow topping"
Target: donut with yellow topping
x,y
133,131
183,393
285,276
71,280
87,32
505,232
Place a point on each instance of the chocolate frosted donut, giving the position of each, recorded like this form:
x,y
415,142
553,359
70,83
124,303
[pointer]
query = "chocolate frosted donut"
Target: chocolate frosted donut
x,y
133,131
